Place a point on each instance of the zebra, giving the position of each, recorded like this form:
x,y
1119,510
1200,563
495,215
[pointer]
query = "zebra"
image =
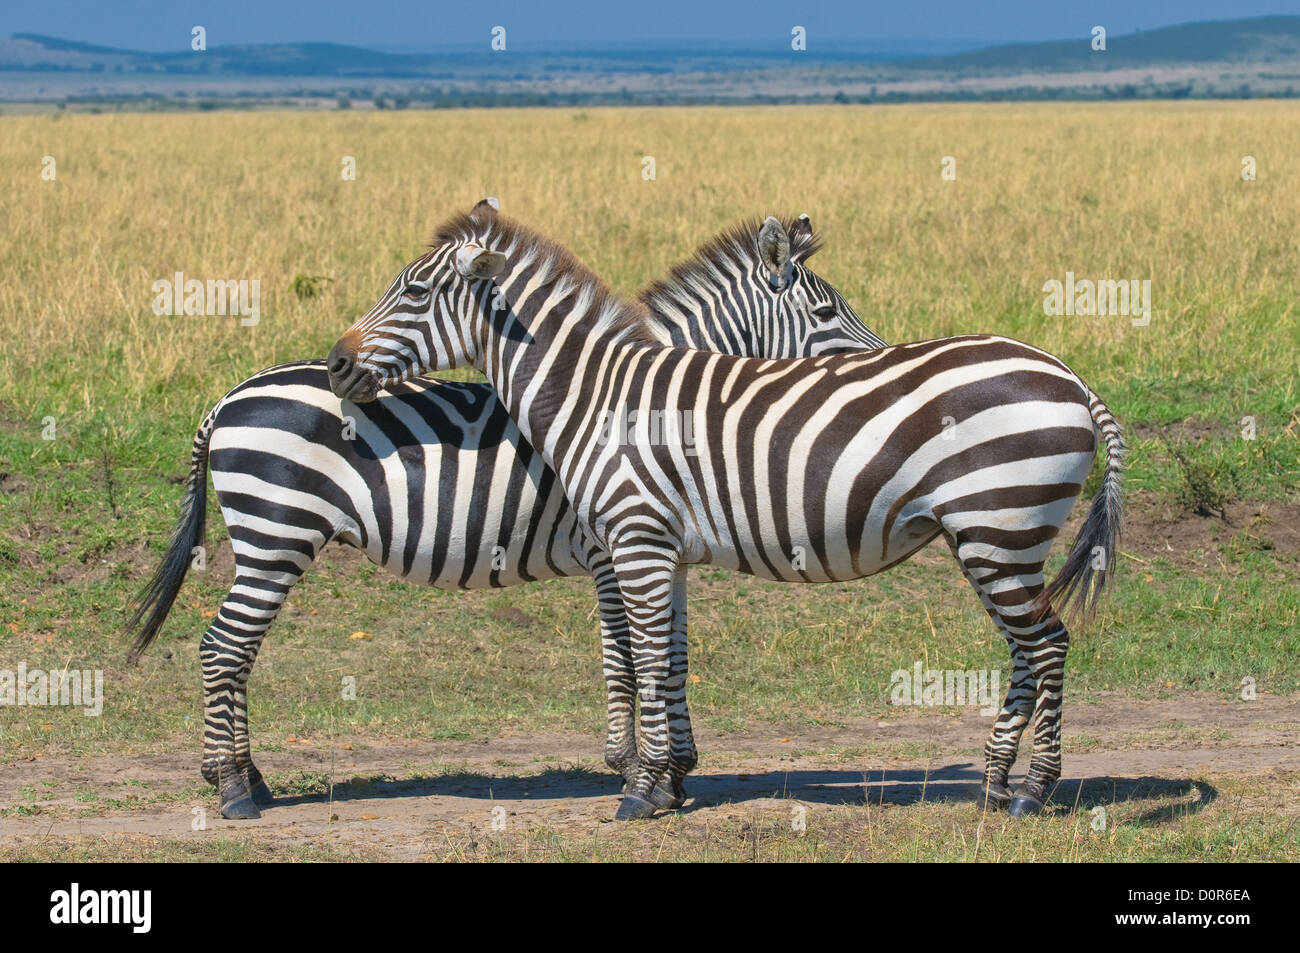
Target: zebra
x,y
805,470
434,482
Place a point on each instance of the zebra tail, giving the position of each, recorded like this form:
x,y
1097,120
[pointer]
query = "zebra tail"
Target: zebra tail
x,y
1078,585
156,599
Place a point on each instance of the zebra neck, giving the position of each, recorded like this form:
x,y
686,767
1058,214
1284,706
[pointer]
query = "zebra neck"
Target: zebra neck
x,y
699,318
537,354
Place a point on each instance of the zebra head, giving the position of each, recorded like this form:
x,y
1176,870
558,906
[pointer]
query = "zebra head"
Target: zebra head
x,y
831,325
424,321
751,292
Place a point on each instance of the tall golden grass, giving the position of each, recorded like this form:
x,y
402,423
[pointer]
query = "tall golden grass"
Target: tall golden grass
x,y
1116,191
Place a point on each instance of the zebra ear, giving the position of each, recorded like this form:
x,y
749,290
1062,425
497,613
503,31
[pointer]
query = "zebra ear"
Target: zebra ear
x,y
474,262
801,232
774,248
487,208
803,242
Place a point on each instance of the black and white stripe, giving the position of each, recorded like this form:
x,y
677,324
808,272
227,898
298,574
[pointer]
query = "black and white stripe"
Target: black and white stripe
x,y
807,470
434,482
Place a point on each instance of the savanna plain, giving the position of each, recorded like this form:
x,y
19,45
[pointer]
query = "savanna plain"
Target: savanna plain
x,y
476,730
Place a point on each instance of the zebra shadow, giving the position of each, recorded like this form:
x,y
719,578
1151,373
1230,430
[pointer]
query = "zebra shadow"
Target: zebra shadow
x,y
900,787
1182,796
548,785
948,784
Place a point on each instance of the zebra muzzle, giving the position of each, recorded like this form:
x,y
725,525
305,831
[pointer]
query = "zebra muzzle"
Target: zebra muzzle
x,y
348,380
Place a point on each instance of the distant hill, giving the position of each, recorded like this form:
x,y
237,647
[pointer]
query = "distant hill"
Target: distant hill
x,y
1257,40
33,52
30,51
1230,58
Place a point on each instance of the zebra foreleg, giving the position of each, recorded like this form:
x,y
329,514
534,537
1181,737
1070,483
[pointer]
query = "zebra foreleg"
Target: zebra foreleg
x,y
620,674
669,791
667,754
621,752
227,653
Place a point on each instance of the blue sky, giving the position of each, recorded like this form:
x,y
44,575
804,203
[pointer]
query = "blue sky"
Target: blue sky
x,y
568,24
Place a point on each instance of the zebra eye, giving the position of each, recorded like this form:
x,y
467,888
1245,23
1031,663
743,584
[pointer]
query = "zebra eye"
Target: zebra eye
x,y
824,312
415,292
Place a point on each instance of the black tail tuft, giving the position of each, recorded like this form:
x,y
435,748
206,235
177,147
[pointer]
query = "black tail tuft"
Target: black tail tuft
x,y
155,600
1078,585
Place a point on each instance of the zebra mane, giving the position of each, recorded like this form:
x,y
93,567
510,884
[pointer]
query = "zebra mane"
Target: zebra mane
x,y
737,245
629,320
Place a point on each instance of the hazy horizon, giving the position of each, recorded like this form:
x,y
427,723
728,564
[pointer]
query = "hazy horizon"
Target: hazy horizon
x,y
403,26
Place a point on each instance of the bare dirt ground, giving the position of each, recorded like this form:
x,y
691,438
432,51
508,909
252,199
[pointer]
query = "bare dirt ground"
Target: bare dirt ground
x,y
389,796
386,797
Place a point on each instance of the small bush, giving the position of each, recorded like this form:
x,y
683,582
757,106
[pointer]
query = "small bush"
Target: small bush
x,y
1207,484
308,286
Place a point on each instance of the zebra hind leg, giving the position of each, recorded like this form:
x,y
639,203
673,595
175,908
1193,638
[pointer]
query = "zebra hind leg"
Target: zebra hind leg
x,y
258,789
227,652
1038,647
1004,740
1045,656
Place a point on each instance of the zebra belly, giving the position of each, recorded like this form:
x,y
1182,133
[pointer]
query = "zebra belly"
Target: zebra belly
x,y
807,559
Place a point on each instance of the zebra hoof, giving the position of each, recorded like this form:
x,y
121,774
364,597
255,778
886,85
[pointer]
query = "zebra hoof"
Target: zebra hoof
x,y
995,797
633,808
240,809
261,794
667,798
1024,805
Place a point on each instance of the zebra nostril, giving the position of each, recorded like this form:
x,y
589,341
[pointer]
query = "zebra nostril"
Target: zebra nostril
x,y
340,361
342,367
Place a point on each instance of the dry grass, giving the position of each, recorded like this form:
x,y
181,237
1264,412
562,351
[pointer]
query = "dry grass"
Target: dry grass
x,y
1148,190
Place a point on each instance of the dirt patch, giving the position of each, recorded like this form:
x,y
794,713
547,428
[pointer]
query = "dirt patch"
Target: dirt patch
x,y
516,617
11,483
96,567
11,421
1193,429
390,795
1156,528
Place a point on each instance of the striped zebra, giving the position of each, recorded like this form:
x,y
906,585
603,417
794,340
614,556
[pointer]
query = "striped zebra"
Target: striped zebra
x,y
804,470
434,483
